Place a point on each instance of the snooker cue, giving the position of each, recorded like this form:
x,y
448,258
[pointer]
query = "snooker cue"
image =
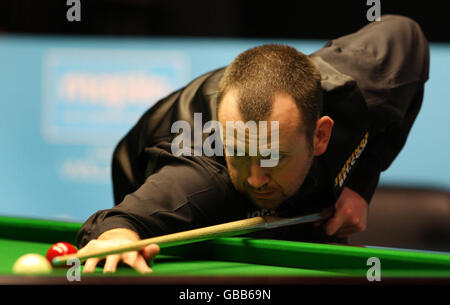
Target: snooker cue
x,y
222,230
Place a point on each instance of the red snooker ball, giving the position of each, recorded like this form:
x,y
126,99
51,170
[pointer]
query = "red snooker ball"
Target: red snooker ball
x,y
59,249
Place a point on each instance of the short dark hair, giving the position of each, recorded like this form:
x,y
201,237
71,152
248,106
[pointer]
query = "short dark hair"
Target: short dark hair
x,y
261,72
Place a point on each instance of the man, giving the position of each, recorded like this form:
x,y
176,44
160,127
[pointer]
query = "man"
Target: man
x,y
343,115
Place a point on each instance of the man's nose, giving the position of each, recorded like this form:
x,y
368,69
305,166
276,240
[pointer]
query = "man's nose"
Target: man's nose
x,y
258,176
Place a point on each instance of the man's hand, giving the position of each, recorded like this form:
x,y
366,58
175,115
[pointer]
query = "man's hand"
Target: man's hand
x,y
351,214
115,237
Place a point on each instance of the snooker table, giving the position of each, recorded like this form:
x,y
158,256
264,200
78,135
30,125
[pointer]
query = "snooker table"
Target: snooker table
x,y
228,260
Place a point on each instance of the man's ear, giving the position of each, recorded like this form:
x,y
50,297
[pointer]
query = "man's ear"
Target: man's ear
x,y
322,134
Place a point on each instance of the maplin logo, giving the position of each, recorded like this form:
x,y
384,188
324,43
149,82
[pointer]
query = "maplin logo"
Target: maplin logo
x,y
343,174
112,90
104,91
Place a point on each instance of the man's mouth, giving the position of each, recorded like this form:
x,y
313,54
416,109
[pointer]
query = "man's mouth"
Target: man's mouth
x,y
264,194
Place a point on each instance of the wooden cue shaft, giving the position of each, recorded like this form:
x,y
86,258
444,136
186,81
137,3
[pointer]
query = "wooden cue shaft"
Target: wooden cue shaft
x,y
227,229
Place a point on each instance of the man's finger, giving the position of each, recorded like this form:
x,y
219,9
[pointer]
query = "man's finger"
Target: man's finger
x,y
150,251
354,226
90,264
111,263
136,261
141,265
334,224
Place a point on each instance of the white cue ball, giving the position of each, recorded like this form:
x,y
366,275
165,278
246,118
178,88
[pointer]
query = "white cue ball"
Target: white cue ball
x,y
32,264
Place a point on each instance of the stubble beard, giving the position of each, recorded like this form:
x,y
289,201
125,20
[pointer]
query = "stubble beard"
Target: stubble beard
x,y
284,194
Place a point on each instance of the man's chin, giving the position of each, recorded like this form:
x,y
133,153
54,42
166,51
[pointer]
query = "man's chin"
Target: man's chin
x,y
269,204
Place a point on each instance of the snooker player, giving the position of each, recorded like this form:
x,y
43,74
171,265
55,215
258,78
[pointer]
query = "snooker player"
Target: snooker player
x,y
344,114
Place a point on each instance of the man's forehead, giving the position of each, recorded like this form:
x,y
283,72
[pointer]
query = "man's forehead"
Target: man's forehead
x,y
229,108
284,111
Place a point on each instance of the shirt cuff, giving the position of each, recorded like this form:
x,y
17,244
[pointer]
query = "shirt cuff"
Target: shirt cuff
x,y
94,230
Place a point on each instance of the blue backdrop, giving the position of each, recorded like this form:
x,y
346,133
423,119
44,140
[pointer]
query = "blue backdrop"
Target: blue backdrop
x,y
66,102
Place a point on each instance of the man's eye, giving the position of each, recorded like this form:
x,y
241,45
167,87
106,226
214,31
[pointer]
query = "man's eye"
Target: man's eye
x,y
238,159
234,152
274,157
